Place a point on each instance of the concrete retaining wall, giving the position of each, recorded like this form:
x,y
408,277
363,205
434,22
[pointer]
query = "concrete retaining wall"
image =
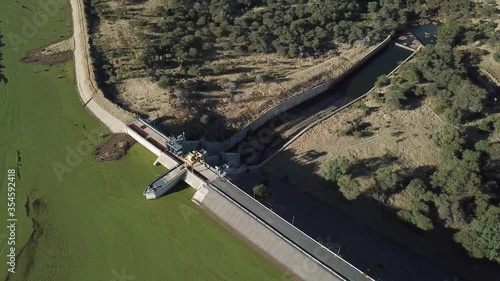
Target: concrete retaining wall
x,y
298,99
264,239
193,180
166,161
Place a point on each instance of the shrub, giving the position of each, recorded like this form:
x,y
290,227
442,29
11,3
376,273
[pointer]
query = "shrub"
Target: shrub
x,y
394,95
261,191
496,56
230,87
205,119
349,187
382,81
496,124
450,139
417,219
165,82
335,168
362,107
483,146
260,78
219,68
387,179
495,151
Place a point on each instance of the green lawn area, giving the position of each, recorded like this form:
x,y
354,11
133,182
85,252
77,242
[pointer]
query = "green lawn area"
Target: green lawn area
x,y
94,224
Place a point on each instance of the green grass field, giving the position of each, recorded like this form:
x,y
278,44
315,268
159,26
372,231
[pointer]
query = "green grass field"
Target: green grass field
x,y
94,224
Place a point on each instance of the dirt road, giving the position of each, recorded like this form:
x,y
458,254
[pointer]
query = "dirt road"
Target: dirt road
x,y
91,96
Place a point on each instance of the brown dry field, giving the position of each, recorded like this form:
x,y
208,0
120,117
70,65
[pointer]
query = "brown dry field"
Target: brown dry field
x,y
139,94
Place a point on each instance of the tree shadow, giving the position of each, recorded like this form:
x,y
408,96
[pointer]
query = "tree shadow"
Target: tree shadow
x,y
474,134
412,102
315,197
371,165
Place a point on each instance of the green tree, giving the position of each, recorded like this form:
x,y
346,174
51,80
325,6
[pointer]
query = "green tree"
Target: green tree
x,y
450,139
482,238
387,179
458,177
349,187
450,211
382,81
418,189
448,33
395,94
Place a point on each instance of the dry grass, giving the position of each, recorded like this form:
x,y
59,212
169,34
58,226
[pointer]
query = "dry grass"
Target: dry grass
x,y
404,134
59,47
490,67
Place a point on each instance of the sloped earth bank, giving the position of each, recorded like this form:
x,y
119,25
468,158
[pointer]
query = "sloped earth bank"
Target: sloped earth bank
x,y
56,53
297,188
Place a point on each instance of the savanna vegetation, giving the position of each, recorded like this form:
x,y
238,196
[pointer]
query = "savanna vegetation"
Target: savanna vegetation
x,y
462,192
188,34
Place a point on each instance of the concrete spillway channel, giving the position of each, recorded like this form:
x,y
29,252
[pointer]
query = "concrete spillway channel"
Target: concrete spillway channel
x,y
271,136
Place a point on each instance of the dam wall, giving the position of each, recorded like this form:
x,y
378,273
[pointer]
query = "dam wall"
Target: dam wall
x,y
264,239
299,255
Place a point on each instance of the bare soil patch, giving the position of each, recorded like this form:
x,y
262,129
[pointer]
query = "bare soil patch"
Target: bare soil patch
x,y
115,148
56,53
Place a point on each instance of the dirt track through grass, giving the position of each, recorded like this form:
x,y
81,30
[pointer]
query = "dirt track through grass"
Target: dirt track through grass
x,y
94,224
